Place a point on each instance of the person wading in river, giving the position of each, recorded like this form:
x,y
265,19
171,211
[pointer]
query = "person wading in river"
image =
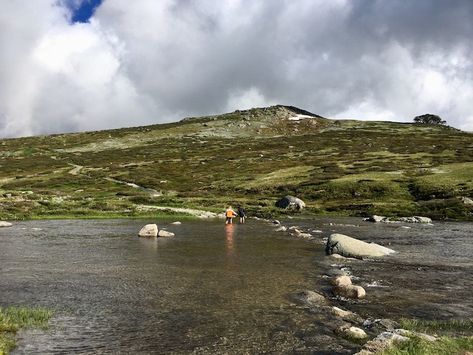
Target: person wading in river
x,y
241,213
229,215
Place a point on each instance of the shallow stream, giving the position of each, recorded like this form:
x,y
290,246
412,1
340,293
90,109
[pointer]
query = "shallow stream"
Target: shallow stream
x,y
217,289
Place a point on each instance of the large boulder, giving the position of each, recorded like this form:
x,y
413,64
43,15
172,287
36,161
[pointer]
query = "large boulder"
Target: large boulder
x,y
5,224
290,202
149,230
351,247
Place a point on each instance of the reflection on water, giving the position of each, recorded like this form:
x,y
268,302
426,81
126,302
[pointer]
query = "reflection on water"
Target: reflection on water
x,y
219,289
229,233
210,289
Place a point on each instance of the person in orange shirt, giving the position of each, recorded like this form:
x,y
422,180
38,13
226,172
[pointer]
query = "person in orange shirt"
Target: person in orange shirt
x,y
229,215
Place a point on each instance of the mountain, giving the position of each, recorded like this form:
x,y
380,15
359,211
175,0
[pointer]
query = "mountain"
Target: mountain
x,y
251,157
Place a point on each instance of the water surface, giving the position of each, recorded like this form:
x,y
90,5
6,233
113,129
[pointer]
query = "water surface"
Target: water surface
x,y
216,289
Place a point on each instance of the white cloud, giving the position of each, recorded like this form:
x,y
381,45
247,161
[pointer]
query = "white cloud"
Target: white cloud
x,y
159,61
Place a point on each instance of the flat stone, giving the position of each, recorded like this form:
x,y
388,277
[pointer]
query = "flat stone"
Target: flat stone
x,y
165,234
5,224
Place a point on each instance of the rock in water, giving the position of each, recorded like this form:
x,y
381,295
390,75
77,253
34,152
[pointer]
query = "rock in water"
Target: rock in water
x,y
149,230
352,332
5,224
341,281
165,234
291,202
351,247
375,218
310,298
350,291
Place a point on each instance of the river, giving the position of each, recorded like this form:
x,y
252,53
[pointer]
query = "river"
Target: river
x,y
215,289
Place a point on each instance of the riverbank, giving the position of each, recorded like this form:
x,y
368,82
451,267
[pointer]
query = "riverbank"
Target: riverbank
x,y
14,319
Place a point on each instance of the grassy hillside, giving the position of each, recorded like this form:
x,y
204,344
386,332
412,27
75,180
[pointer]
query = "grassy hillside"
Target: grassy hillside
x,y
250,157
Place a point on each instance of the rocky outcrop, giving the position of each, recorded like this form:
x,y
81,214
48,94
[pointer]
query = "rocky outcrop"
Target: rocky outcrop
x,y
381,342
383,219
291,202
5,224
149,231
389,338
165,234
351,247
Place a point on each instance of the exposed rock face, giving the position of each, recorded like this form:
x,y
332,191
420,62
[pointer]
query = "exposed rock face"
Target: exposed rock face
x,y
310,298
165,234
5,224
291,202
350,291
351,247
149,230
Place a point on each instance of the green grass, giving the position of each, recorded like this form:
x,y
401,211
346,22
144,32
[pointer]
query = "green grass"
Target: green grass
x,y
429,326
443,346
456,338
13,319
344,167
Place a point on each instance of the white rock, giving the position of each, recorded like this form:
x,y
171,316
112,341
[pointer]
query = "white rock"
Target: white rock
x,y
352,332
176,223
165,234
149,230
5,224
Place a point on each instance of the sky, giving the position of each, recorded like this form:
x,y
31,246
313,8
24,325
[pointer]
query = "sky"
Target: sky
x,y
77,65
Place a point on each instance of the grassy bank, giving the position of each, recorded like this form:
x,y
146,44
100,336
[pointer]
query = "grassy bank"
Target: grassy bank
x,y
13,319
456,338
251,158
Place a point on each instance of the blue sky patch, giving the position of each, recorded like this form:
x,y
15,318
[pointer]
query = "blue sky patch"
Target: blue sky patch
x,y
84,11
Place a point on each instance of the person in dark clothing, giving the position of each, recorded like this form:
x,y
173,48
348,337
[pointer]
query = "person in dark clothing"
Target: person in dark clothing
x,y
241,213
